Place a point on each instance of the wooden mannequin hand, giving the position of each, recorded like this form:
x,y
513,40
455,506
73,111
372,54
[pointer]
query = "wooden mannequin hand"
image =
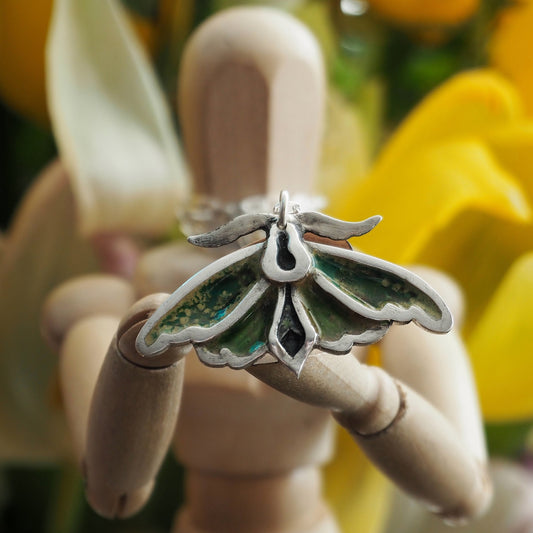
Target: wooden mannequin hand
x,y
133,414
115,401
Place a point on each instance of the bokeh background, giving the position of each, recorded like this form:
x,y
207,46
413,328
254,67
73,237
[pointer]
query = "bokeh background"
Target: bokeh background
x,y
428,123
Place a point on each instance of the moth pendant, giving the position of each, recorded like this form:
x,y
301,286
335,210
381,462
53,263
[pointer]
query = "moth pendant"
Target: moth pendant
x,y
288,295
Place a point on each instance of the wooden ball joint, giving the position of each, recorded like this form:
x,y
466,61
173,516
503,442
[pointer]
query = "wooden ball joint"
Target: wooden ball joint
x,y
253,441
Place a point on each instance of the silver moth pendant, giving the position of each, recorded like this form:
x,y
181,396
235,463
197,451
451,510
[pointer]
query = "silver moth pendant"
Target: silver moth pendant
x,y
288,295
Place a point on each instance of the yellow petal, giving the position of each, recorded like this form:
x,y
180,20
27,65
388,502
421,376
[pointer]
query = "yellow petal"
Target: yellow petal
x,y
425,12
111,122
426,192
502,346
469,104
23,29
356,491
513,148
477,250
511,48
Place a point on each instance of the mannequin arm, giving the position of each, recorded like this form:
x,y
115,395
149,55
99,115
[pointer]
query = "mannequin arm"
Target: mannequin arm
x,y
133,414
121,410
401,432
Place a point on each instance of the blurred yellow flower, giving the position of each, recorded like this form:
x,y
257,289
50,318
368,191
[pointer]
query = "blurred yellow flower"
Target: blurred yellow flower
x,y
501,346
454,184
454,187
356,490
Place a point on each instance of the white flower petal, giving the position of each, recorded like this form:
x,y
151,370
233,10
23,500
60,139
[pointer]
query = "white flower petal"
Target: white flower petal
x,y
112,125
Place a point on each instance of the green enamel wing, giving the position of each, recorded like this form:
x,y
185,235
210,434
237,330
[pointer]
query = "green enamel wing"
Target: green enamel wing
x,y
287,296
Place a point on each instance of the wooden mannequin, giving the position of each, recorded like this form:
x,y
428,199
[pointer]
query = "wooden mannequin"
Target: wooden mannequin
x,y
251,96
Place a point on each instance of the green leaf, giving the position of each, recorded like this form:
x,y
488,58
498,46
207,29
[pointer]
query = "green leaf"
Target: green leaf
x,y
507,439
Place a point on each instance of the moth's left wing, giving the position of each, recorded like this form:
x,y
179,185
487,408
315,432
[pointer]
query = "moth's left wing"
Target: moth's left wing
x,y
210,303
377,289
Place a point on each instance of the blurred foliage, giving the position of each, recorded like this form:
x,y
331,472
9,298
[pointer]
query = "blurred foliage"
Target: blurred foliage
x,y
507,440
25,148
409,64
50,499
148,9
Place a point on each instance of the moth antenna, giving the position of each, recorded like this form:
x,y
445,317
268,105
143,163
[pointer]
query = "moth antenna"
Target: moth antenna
x,y
233,230
333,228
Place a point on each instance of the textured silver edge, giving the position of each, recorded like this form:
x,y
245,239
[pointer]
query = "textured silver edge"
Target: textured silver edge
x,y
228,358
232,231
348,341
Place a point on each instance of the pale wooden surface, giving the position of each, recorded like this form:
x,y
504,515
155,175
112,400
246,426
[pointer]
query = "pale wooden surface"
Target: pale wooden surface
x,y
80,359
422,453
403,434
132,419
90,295
251,101
232,424
255,503
80,318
